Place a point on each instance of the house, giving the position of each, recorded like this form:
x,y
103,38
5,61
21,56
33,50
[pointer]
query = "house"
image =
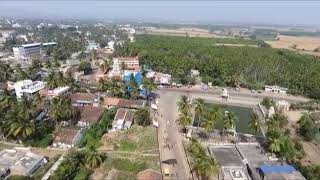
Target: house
x,y
279,172
230,162
66,138
128,120
275,89
82,99
59,91
90,115
263,166
163,79
28,87
118,120
123,119
19,161
110,102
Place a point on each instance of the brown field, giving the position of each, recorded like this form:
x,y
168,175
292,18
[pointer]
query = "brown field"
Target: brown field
x,y
191,32
303,44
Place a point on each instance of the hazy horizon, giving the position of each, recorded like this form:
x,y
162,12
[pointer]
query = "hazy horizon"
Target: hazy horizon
x,y
238,12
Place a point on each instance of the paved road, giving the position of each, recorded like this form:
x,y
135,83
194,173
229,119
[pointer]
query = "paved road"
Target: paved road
x,y
168,112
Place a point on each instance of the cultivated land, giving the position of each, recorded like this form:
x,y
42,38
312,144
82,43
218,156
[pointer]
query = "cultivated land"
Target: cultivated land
x,y
303,44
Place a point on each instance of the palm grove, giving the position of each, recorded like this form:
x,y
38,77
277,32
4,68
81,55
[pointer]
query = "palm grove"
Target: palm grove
x,y
251,67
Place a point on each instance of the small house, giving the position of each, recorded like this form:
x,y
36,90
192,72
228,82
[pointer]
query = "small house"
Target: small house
x,y
66,138
90,115
275,89
82,99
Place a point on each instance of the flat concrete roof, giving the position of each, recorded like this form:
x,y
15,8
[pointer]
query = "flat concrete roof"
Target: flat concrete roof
x,y
253,153
226,155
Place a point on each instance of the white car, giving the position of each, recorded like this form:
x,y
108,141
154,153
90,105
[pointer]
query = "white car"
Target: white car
x,y
168,123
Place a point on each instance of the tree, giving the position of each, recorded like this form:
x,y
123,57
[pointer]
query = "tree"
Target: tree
x,y
229,121
123,67
307,128
142,117
275,145
185,119
93,158
204,165
85,67
253,125
211,118
184,105
148,85
60,109
199,109
105,66
267,102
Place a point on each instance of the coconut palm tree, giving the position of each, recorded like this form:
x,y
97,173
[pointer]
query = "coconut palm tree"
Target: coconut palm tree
x,y
6,101
51,81
210,119
123,67
60,109
93,158
229,121
20,74
6,72
199,109
184,120
183,104
253,125
21,128
148,85
205,166
275,144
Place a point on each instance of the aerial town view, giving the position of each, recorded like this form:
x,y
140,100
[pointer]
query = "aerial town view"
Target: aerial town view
x,y
159,90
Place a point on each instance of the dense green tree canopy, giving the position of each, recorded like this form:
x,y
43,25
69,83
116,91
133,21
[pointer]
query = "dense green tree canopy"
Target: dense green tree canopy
x,y
251,67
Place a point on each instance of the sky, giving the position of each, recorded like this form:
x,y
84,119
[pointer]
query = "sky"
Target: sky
x,y
237,12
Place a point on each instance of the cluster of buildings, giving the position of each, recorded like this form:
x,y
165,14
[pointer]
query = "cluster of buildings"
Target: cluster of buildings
x,y
246,161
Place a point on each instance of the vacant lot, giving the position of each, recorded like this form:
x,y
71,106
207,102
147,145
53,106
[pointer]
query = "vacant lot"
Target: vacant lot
x,y
129,152
302,44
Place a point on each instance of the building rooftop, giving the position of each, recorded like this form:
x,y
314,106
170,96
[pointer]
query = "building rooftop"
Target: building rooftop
x,y
121,114
82,97
253,154
280,172
91,114
226,155
149,174
30,45
66,136
20,160
127,58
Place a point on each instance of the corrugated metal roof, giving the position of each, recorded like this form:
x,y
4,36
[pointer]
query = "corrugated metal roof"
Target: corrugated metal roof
x,y
277,169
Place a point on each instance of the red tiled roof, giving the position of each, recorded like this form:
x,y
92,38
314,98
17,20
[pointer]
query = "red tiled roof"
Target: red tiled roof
x,y
66,136
91,114
82,97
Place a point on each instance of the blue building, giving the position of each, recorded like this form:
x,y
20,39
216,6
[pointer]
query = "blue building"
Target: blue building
x,y
137,77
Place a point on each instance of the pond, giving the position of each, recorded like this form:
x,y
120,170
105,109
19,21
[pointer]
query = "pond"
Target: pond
x,y
242,113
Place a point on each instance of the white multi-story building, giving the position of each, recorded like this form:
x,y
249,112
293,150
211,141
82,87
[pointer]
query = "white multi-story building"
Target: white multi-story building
x,y
27,50
27,88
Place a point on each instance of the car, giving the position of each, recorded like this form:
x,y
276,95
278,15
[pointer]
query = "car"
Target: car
x,y
253,91
168,123
237,89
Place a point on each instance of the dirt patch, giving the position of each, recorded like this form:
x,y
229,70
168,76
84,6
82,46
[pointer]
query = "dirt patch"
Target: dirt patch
x,y
303,44
48,152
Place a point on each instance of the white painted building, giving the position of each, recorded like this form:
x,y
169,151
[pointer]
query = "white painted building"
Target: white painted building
x,y
275,89
27,50
131,63
283,105
67,138
27,88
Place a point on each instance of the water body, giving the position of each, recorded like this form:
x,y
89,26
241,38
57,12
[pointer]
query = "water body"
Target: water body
x,y
242,113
